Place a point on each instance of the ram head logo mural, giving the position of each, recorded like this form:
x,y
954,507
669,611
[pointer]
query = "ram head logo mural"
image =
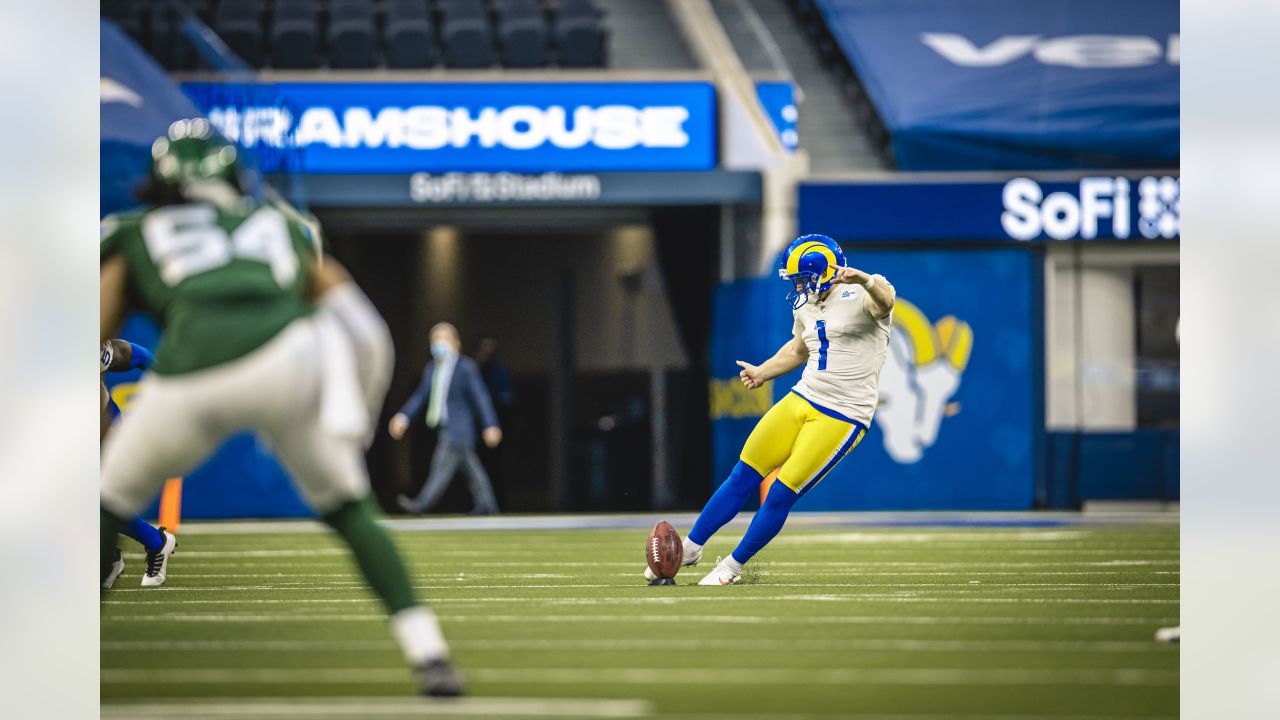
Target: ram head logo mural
x,y
921,373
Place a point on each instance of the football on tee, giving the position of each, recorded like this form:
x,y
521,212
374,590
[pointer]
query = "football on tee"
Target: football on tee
x,y
664,551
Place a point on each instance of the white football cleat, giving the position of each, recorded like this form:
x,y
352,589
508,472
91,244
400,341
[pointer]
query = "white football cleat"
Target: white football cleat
x,y
158,561
689,559
721,574
117,567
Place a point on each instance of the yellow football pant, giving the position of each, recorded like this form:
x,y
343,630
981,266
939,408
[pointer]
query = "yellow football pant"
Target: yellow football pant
x,y
804,439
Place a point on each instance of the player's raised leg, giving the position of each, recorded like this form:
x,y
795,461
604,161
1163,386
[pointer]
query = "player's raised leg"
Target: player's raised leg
x,y
328,467
330,473
823,441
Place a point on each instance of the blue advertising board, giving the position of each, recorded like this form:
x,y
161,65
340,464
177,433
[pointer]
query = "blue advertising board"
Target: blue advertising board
x,y
1017,85
955,428
1090,208
778,100
397,127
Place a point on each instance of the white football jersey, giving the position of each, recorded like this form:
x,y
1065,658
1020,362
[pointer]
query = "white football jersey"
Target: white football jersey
x,y
847,348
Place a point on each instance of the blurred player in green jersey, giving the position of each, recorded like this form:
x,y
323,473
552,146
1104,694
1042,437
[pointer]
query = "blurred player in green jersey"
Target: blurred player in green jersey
x,y
260,333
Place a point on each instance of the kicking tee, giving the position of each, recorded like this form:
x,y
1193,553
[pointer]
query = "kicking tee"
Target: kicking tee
x,y
847,348
221,281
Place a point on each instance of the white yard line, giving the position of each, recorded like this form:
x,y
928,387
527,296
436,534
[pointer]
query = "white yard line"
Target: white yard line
x,y
337,578
658,619
850,564
539,552
890,521
660,600
462,583
305,708
608,644
905,716
662,676
948,535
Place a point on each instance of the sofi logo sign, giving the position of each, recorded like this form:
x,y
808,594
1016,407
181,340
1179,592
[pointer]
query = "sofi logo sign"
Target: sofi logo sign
x,y
401,127
1099,207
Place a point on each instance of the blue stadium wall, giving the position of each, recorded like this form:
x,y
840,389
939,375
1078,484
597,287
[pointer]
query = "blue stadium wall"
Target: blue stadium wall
x,y
956,430
961,425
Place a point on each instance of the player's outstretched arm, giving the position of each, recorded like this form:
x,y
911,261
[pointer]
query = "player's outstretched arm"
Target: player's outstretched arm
x,y
880,294
789,357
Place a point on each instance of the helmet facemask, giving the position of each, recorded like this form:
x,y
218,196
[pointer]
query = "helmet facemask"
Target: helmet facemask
x,y
804,283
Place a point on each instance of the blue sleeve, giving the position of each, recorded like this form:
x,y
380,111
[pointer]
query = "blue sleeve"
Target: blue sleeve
x,y
113,410
418,400
480,399
140,357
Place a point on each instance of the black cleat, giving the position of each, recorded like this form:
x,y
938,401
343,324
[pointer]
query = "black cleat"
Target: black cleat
x,y
662,581
437,678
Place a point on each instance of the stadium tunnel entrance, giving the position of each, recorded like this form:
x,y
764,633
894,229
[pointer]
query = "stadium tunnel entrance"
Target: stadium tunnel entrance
x,y
601,318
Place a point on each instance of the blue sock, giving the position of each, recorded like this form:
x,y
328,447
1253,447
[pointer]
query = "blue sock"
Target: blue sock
x,y
766,524
143,532
726,502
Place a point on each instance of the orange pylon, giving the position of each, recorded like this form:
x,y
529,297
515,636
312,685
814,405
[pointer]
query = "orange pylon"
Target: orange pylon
x,y
171,504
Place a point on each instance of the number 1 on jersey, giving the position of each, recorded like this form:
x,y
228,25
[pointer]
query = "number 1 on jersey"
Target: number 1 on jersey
x,y
822,344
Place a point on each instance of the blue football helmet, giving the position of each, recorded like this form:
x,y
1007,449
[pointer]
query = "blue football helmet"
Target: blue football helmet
x,y
810,263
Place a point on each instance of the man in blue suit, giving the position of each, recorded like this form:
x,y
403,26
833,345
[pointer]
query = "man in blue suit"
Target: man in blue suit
x,y
455,400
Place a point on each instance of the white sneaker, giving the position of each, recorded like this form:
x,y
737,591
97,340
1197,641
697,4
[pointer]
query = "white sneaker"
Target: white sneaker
x,y
721,574
689,559
117,567
158,561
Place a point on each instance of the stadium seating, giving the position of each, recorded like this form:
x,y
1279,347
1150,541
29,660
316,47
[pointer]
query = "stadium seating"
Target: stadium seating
x,y
355,34
295,34
128,14
162,37
579,34
522,33
465,34
240,25
408,36
810,15
351,34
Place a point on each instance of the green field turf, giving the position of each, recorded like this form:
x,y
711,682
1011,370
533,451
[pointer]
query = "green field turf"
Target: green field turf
x,y
837,622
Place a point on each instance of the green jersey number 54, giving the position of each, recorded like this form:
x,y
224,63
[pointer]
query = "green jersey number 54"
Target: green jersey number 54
x,y
186,240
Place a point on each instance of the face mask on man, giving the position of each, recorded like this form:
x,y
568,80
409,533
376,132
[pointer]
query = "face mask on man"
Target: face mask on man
x,y
441,350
